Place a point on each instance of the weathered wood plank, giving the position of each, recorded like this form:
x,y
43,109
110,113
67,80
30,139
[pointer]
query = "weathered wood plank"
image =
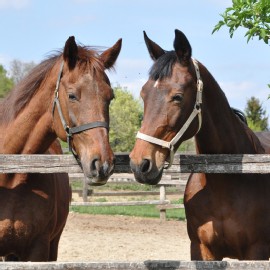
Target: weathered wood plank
x,y
170,206
38,164
51,164
123,193
185,164
127,203
137,265
224,163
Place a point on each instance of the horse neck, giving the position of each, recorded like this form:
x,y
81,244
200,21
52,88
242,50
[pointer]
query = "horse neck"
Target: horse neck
x,y
221,130
29,132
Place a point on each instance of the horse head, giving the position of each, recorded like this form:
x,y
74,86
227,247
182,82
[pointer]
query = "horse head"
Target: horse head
x,y
81,107
172,100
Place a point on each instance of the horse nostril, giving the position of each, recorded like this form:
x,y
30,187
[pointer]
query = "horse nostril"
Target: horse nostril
x,y
99,169
145,166
111,168
95,165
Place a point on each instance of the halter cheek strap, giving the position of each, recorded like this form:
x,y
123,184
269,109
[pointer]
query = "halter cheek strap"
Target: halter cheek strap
x,y
70,131
196,112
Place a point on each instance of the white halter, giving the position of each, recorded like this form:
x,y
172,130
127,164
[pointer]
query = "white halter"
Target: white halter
x,y
196,111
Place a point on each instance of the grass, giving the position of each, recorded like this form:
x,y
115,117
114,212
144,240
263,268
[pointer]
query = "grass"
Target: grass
x,y
147,211
120,186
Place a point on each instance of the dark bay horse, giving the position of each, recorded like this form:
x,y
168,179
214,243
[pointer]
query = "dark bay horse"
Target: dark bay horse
x,y
66,96
228,215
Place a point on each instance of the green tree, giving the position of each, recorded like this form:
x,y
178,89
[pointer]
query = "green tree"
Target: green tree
x,y
125,120
187,146
6,83
254,15
256,115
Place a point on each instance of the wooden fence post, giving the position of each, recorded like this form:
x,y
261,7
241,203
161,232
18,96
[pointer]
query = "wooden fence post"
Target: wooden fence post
x,y
162,212
85,191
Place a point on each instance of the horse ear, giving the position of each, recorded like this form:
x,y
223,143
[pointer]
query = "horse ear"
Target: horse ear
x,y
154,50
109,56
182,47
70,52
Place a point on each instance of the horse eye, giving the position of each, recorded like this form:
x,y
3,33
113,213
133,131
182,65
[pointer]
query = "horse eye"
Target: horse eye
x,y
177,98
72,97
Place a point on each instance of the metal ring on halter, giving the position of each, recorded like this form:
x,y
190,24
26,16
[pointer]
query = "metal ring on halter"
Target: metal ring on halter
x,y
196,112
170,162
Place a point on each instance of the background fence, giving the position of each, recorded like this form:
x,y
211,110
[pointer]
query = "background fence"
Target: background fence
x,y
162,204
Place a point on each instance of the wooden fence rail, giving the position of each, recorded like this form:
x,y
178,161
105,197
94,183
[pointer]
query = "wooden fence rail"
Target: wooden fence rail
x,y
259,163
146,265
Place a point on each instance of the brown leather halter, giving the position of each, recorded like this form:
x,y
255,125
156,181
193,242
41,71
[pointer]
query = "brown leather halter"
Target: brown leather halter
x,y
70,131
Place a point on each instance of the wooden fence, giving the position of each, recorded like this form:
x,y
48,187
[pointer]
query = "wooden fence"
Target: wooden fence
x,y
182,165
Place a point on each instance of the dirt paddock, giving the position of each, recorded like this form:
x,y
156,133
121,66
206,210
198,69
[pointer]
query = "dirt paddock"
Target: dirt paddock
x,y
120,238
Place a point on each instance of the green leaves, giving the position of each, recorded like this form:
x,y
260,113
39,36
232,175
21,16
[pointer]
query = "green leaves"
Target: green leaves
x,y
125,120
6,83
254,15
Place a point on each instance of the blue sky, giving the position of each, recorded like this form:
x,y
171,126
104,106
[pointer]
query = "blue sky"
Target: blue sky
x,y
30,29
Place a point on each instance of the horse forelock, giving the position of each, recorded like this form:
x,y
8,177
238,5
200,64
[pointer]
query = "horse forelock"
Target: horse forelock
x,y
90,56
22,93
162,68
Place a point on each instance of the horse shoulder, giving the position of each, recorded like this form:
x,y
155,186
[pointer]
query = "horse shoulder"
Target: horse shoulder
x,y
196,183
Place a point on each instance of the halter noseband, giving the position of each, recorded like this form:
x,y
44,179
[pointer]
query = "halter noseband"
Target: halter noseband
x,y
70,131
196,111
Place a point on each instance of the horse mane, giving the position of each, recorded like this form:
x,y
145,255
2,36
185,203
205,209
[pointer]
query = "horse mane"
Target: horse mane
x,y
240,114
162,67
22,93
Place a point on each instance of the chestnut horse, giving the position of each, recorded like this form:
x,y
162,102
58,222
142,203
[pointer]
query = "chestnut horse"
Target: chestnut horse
x,y
228,215
66,96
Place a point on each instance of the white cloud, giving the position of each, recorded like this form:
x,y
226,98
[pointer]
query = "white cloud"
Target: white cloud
x,y
238,93
236,90
14,4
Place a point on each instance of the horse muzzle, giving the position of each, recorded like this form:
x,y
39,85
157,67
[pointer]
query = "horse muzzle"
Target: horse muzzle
x,y
146,172
98,172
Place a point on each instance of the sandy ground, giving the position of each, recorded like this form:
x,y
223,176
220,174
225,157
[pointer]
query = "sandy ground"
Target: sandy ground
x,y
120,238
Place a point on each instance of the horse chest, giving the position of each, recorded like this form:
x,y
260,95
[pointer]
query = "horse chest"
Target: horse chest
x,y
18,229
24,212
14,235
